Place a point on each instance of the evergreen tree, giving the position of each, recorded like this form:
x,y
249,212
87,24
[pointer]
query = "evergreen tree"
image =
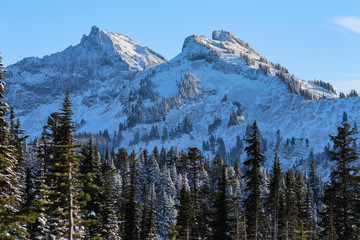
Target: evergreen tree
x,y
272,202
344,190
345,117
108,224
91,188
144,232
151,221
194,159
308,218
61,186
205,201
186,212
130,202
163,156
11,156
72,186
234,196
253,201
291,218
282,224
315,184
299,189
29,207
187,126
221,208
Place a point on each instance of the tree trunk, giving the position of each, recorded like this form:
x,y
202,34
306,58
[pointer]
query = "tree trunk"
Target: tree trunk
x,y
71,220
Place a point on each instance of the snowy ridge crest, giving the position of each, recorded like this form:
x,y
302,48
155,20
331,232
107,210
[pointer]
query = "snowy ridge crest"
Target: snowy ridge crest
x,y
137,56
230,54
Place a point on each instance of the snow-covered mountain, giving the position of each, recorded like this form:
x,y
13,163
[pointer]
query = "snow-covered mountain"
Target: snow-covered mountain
x,y
96,68
206,96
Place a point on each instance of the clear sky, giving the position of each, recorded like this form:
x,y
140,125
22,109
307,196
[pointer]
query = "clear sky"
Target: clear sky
x,y
318,39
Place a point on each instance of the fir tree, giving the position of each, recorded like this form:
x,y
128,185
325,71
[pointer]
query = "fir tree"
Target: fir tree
x,y
10,194
186,212
205,201
108,224
344,189
315,184
282,230
221,214
272,201
130,204
91,188
290,206
308,217
253,201
144,232
61,185
187,126
194,159
151,221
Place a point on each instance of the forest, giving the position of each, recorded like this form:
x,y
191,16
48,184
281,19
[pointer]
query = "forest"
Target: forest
x,y
55,188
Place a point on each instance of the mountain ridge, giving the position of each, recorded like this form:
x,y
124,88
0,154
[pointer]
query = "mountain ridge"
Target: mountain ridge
x,y
221,78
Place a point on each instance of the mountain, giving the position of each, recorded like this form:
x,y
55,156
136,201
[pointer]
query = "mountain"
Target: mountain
x,y
100,60
206,97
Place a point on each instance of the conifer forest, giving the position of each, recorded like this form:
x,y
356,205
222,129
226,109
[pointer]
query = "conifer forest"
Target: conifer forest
x,y
53,187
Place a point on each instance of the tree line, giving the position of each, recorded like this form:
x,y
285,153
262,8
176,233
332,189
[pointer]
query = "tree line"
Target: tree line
x,y
57,189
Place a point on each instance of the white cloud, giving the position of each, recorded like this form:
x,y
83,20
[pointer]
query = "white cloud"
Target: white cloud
x,y
350,23
351,75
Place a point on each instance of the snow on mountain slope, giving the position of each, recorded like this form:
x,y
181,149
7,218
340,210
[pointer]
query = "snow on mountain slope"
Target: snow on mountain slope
x,y
134,55
120,86
97,68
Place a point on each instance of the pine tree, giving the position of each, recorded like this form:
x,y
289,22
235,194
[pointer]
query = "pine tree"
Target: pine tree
x,y
234,196
315,184
283,215
290,206
253,201
61,185
221,208
344,189
144,232
187,126
130,204
165,213
108,224
151,221
300,197
194,159
91,188
10,173
163,156
72,176
272,202
32,204
205,201
308,217
186,212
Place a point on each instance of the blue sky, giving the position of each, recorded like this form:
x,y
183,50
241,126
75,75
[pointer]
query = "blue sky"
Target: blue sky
x,y
313,39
